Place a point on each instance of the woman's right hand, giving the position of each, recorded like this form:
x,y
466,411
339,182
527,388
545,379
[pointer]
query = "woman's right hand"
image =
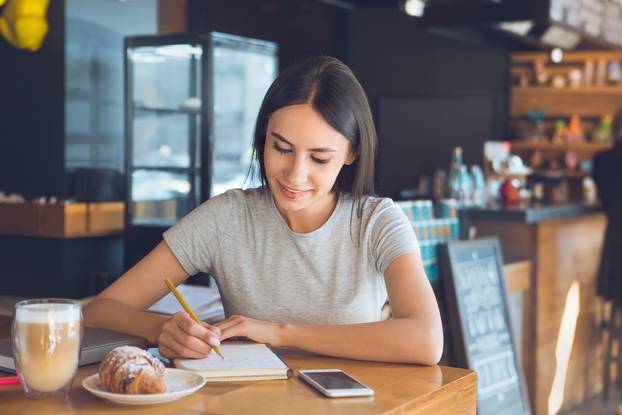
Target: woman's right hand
x,y
181,336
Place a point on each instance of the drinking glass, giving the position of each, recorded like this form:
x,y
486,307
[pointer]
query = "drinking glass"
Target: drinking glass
x,y
46,339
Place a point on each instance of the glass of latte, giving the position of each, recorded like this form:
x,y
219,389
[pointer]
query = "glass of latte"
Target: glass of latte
x,y
46,344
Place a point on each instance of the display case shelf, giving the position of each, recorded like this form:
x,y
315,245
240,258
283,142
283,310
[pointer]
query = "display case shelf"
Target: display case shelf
x,y
164,168
143,108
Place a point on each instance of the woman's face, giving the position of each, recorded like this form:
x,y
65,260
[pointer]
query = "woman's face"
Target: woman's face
x,y
303,155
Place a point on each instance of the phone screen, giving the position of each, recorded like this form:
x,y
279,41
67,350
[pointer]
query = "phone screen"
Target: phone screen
x,y
334,380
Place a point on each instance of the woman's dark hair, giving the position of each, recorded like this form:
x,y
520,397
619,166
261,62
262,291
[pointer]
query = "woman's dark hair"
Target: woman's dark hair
x,y
331,88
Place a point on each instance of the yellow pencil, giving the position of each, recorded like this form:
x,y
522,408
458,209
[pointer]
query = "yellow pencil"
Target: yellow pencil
x,y
186,307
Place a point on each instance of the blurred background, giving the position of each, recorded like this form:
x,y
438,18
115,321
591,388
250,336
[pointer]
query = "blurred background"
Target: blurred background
x,y
118,117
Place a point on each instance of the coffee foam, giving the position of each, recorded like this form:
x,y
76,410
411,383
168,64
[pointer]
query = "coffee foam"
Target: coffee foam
x,y
42,313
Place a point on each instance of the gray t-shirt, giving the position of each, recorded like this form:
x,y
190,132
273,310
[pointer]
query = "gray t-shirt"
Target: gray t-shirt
x,y
264,270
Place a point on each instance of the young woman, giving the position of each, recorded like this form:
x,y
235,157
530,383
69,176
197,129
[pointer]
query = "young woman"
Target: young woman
x,y
307,259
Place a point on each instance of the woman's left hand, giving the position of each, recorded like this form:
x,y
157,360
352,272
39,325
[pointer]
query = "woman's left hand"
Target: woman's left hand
x,y
256,330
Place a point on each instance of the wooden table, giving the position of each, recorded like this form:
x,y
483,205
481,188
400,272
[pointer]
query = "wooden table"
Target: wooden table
x,y
399,388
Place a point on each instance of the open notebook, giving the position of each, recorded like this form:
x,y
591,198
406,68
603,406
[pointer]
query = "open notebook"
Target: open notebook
x,y
242,361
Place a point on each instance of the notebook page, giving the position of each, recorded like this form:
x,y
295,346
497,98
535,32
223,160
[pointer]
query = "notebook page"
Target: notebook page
x,y
237,356
205,301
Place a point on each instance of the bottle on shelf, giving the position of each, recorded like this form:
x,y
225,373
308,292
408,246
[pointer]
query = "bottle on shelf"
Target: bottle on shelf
x,y
575,133
559,136
439,184
602,133
453,178
538,131
465,191
479,186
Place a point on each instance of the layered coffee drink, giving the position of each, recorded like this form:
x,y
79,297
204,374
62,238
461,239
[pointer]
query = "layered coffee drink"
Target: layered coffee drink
x,y
46,344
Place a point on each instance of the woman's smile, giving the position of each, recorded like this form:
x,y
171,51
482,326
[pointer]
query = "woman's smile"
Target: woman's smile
x,y
292,192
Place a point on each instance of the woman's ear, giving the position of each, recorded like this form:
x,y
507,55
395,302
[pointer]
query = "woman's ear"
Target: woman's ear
x,y
350,159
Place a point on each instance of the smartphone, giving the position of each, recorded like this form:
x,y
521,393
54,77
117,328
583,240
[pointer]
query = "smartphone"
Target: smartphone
x,y
334,383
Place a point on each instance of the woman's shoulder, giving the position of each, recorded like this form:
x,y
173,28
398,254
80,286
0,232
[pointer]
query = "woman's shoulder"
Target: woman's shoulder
x,y
238,198
369,204
255,198
369,209
227,209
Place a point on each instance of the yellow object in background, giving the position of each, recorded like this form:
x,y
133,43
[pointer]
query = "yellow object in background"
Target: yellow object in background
x,y
23,23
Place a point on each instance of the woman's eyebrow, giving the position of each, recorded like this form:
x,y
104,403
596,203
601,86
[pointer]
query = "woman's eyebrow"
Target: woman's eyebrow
x,y
319,149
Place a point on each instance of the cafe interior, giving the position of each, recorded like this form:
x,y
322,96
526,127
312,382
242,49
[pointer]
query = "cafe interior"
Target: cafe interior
x,y
119,117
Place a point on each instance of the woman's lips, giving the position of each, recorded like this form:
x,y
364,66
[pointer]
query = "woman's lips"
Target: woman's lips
x,y
291,193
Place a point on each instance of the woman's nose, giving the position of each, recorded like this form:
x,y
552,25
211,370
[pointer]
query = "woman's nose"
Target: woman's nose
x,y
298,171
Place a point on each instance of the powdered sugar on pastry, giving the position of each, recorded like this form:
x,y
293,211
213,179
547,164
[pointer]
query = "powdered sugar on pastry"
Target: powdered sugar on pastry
x,y
128,369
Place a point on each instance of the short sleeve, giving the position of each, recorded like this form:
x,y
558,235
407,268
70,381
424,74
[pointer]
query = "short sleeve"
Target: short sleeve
x,y
196,238
392,235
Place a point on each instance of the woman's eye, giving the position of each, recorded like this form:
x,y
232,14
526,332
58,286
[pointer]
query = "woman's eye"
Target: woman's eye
x,y
287,150
320,161
280,149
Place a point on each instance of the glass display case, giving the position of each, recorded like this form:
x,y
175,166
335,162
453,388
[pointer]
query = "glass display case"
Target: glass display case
x,y
191,104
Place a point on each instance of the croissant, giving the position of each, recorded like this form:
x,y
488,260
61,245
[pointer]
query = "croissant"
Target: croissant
x,y
130,370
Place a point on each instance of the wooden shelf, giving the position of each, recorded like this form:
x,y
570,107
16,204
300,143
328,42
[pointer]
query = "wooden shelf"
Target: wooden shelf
x,y
561,173
569,57
566,102
518,91
592,101
548,146
140,108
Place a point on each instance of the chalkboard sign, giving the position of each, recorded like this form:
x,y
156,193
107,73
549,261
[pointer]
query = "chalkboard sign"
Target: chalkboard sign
x,y
472,275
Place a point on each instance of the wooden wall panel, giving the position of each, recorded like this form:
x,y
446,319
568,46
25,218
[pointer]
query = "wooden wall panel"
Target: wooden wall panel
x,y
517,276
172,16
560,252
567,251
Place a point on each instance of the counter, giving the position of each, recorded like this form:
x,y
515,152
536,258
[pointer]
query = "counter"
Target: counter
x,y
562,362
532,213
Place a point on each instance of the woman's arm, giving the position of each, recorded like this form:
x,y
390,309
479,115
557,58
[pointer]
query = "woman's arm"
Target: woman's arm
x,y
121,307
414,334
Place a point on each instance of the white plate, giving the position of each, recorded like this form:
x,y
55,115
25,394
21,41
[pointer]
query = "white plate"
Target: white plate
x,y
179,383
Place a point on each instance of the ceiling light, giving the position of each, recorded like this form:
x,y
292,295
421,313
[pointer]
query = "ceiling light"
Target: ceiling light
x,y
414,7
520,28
